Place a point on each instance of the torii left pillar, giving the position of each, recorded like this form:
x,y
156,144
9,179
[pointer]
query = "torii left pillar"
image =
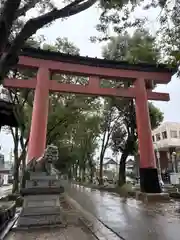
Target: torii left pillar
x,y
37,138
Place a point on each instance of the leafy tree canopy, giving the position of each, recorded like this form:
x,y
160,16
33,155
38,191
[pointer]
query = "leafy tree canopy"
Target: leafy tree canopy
x,y
20,19
140,47
118,17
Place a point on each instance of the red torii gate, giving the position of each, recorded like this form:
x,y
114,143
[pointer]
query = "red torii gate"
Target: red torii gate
x,y
96,69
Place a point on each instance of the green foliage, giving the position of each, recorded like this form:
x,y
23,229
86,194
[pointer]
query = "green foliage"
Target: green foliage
x,y
168,35
140,47
117,18
62,45
156,116
120,17
77,146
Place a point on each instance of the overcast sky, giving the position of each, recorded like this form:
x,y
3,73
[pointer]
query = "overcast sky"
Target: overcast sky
x,y
79,29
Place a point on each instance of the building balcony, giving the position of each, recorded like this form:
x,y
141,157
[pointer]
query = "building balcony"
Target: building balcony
x,y
165,144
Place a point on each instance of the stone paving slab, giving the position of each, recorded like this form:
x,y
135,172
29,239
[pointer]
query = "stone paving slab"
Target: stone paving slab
x,y
92,223
42,177
69,233
43,183
81,225
74,230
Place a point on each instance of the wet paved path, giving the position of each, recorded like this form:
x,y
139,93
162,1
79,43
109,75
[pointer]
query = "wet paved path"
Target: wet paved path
x,y
131,220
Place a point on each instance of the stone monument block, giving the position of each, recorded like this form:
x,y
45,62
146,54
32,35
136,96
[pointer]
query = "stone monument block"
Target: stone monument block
x,y
41,206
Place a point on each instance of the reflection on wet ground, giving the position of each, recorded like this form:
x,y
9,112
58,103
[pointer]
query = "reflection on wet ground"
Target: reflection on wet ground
x,y
131,219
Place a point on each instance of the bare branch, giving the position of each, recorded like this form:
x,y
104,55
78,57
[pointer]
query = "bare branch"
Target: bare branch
x,y
34,24
61,121
22,11
7,17
12,133
23,145
11,57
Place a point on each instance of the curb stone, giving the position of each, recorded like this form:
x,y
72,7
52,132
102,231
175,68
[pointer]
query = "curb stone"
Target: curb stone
x,y
100,231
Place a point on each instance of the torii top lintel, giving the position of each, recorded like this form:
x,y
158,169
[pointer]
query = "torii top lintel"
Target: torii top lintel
x,y
93,68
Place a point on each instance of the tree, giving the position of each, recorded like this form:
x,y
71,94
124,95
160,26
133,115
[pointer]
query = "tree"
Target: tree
x,y
18,133
124,136
13,17
11,14
139,47
120,17
109,121
86,140
168,34
77,145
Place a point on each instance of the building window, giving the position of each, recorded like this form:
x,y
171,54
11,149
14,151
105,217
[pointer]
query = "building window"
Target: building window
x,y
158,137
164,135
153,138
173,134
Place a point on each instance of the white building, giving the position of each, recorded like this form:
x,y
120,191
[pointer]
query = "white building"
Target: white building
x,y
166,139
110,165
166,136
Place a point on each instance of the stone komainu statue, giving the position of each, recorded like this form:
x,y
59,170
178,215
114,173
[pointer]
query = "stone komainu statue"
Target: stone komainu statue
x,y
46,162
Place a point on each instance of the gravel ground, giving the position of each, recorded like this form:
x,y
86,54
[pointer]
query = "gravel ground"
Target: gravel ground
x,y
75,229
68,233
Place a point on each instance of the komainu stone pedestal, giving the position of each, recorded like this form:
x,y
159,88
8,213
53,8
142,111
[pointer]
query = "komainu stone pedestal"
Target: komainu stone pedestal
x,y
41,206
152,197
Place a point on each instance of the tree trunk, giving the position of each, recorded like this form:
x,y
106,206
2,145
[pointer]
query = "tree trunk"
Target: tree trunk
x,y
16,175
84,172
23,180
16,163
91,175
103,150
122,169
76,171
72,170
101,170
91,167
69,174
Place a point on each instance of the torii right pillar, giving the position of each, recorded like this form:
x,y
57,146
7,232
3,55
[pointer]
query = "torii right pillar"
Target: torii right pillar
x,y
149,179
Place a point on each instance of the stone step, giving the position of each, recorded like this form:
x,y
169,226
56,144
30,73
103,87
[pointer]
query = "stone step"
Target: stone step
x,y
39,177
42,191
36,211
41,220
38,197
39,202
38,174
43,183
